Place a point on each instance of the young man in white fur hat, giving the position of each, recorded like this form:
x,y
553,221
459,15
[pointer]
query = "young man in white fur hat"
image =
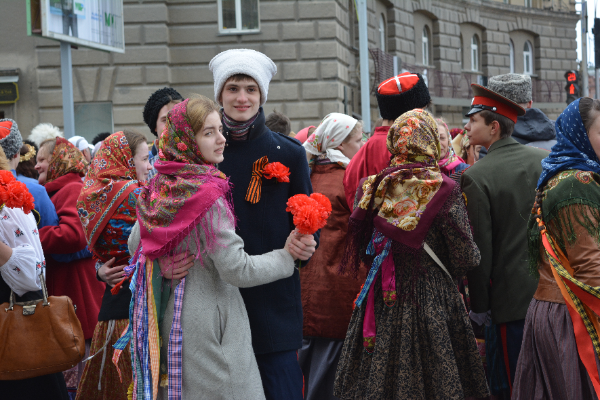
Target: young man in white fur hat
x,y
275,310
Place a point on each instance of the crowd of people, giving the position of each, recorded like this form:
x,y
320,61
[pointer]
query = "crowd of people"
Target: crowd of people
x,y
455,263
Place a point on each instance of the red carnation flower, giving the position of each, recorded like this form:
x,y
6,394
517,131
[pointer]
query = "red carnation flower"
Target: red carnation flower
x,y
310,213
277,170
14,194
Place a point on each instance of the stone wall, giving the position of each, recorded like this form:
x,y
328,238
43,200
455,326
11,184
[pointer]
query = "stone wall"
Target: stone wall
x,y
313,43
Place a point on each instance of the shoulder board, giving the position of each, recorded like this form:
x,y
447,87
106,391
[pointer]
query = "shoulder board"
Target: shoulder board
x,y
290,139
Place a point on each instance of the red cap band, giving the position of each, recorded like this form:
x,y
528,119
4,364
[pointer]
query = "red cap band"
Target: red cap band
x,y
501,108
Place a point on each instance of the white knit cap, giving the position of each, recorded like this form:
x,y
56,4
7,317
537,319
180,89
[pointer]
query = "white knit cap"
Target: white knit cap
x,y
242,61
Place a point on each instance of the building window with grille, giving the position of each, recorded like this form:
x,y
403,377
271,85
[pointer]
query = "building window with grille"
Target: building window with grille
x,y
511,54
382,35
238,16
425,44
527,58
474,53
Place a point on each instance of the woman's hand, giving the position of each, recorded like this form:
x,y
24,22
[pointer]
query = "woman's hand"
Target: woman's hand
x,y
177,266
111,275
300,246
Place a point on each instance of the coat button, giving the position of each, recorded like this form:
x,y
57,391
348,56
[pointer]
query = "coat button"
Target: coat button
x,y
278,147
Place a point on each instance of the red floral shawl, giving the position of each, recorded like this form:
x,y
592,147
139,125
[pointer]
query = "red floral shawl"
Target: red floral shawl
x,y
108,183
65,158
176,200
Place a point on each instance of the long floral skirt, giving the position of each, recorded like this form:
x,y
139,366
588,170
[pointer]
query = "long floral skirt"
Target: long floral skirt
x,y
100,380
424,349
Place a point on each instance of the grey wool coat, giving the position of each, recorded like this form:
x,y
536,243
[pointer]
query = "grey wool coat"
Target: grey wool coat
x,y
218,360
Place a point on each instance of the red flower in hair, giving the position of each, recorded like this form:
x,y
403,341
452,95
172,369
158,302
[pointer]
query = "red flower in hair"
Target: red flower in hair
x,y
310,213
14,194
277,170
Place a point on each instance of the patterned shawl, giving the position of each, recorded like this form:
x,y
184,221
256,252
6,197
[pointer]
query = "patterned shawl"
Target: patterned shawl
x,y
182,192
330,133
404,194
109,181
572,150
65,159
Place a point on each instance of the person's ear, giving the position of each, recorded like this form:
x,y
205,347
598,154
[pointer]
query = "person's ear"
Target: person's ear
x,y
495,127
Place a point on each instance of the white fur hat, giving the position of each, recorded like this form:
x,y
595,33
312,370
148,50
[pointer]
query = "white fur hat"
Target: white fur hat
x,y
242,61
44,131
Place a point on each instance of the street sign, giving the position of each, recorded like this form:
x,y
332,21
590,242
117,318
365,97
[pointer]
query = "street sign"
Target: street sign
x,y
94,24
9,92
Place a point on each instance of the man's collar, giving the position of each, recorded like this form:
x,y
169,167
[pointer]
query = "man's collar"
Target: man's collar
x,y
255,131
501,143
381,130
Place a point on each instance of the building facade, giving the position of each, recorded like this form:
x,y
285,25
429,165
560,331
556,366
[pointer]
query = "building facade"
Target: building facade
x,y
315,47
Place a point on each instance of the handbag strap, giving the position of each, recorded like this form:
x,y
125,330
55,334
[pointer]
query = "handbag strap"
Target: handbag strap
x,y
435,258
11,299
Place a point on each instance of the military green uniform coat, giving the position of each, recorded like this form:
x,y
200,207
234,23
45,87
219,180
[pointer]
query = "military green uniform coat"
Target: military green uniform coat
x,y
500,192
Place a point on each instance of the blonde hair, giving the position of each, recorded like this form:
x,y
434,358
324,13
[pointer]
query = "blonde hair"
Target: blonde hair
x,y
198,108
3,161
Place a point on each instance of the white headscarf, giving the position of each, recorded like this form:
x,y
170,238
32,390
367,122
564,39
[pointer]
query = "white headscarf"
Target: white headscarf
x,y
330,133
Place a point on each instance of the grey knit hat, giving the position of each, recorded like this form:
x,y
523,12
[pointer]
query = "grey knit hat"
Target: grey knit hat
x,y
10,138
242,61
515,87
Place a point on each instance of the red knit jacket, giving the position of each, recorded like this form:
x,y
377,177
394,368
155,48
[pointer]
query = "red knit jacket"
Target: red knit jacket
x,y
76,279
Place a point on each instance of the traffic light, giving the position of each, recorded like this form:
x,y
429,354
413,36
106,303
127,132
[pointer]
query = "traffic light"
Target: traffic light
x,y
572,87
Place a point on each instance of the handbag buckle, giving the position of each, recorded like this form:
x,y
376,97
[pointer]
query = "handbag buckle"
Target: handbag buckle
x,y
29,310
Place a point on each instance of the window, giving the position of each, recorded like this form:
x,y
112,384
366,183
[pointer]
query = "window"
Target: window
x,y
238,16
425,46
527,3
527,58
474,53
511,53
382,32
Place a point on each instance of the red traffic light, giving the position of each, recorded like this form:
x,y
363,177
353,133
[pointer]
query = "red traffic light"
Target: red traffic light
x,y
571,77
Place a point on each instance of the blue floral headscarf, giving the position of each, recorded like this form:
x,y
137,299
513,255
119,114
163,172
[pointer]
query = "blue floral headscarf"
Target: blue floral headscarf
x,y
572,150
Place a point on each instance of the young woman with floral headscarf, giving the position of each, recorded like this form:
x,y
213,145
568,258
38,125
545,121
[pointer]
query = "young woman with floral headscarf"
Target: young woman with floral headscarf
x,y
326,295
106,207
559,354
409,336
187,207
449,162
61,167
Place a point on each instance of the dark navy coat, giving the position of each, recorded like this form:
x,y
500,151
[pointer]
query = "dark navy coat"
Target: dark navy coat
x,y
274,309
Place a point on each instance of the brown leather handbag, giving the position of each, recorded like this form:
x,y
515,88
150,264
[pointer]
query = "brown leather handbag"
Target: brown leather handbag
x,y
39,337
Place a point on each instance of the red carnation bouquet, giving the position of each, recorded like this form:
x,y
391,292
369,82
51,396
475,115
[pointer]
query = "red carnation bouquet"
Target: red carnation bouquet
x,y
310,213
14,194
277,170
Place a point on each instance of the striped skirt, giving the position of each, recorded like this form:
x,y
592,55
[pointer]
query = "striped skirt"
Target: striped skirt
x,y
549,367
100,380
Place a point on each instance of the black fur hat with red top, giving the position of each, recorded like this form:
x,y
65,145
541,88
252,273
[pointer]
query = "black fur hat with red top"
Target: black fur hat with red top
x,y
400,94
485,99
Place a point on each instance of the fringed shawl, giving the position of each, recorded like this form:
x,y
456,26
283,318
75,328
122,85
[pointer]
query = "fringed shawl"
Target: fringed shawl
x,y
570,176
110,180
184,190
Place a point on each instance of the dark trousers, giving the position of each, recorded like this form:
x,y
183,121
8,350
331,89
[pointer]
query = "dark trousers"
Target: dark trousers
x,y
281,375
318,359
511,337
